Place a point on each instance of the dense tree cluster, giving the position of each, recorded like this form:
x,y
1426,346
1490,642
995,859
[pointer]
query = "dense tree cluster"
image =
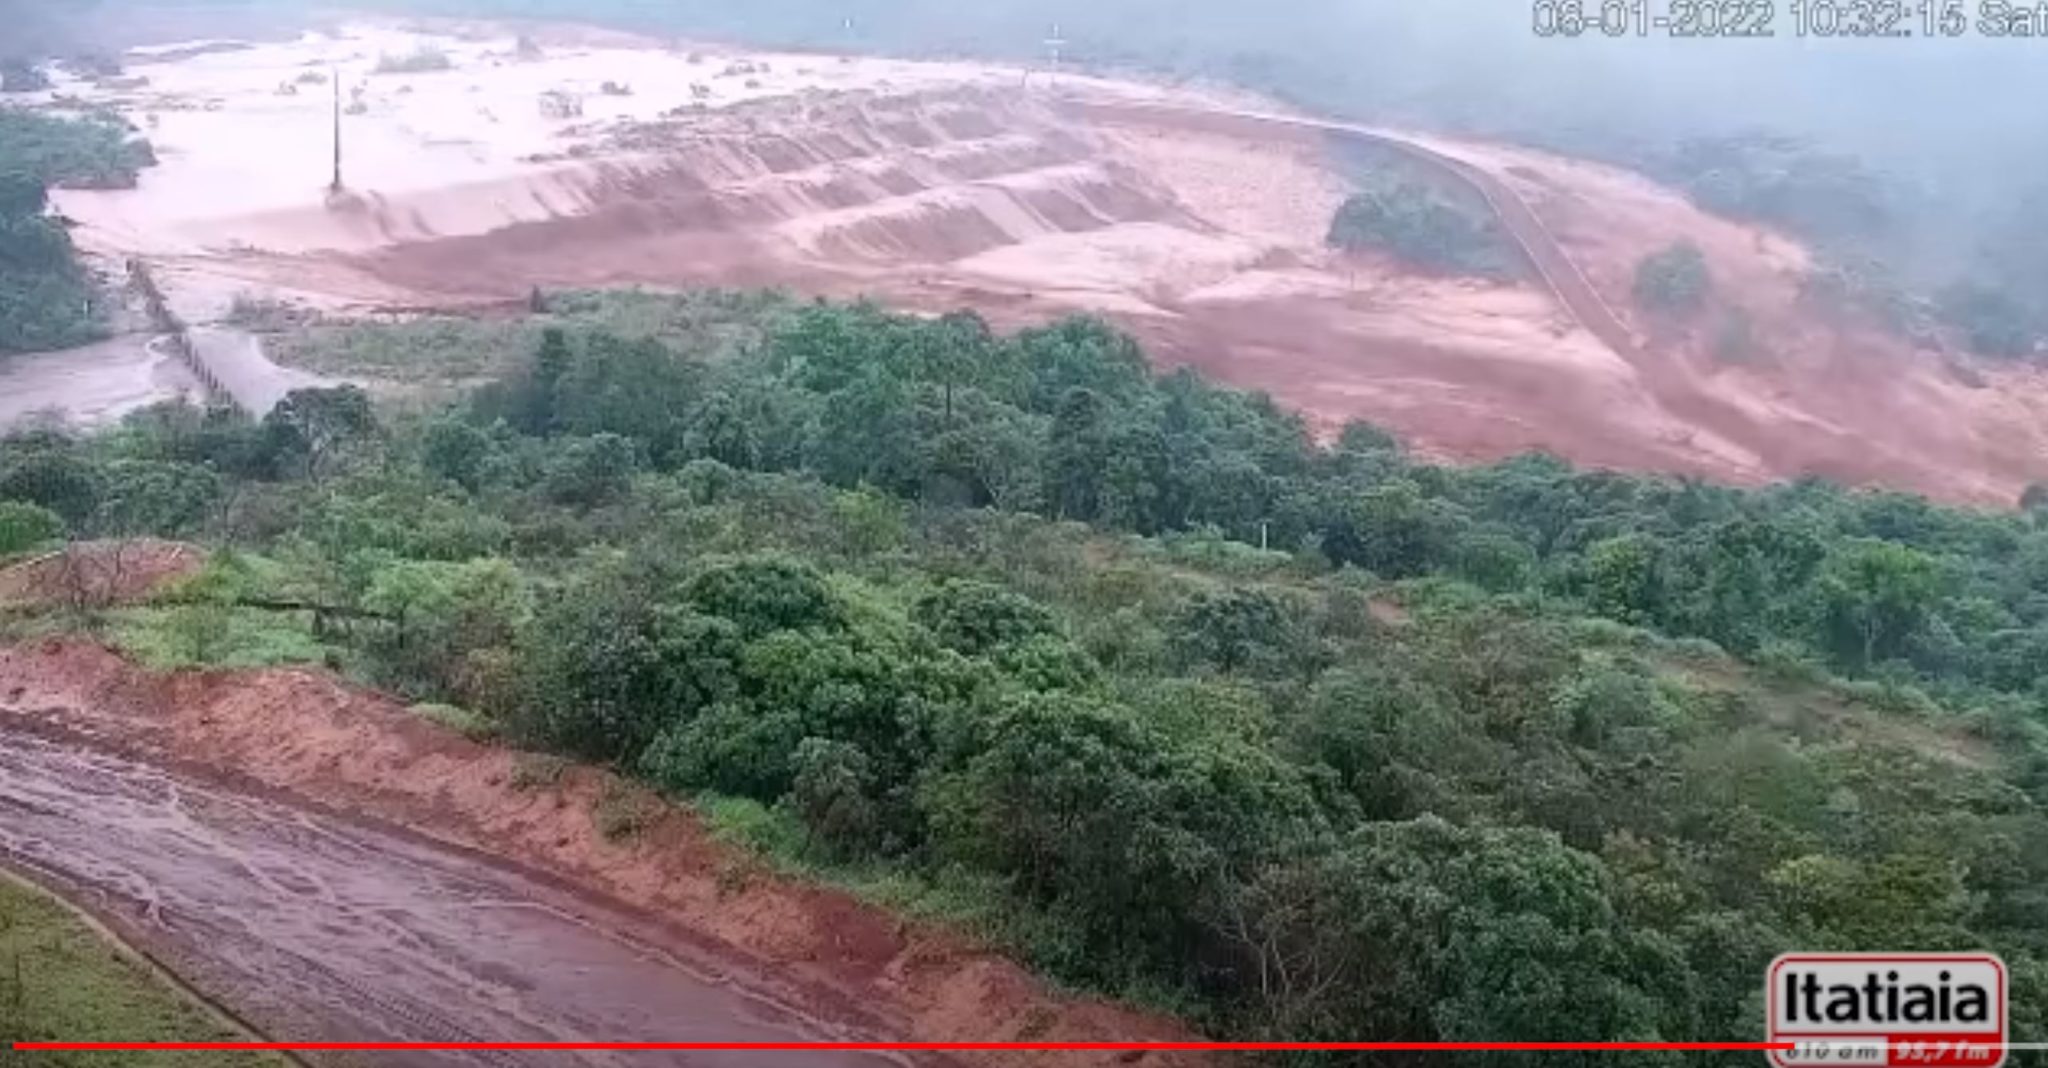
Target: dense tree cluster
x,y
1451,758
46,297
1674,281
1422,227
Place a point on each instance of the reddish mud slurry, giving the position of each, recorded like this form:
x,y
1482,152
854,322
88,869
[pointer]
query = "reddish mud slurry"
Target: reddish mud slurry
x,y
315,929
1195,219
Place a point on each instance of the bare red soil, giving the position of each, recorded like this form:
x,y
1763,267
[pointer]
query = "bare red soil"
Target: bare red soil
x,y
915,204
1195,225
305,734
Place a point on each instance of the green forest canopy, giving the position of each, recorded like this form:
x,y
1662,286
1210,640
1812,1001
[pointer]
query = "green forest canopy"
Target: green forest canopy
x,y
47,299
977,623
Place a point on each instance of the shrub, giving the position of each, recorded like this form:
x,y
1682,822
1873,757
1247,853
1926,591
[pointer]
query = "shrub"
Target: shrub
x,y
26,526
422,60
624,810
470,725
1418,225
1674,280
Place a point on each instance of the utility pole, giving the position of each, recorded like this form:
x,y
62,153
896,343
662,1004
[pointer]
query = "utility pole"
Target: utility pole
x,y
1053,43
334,75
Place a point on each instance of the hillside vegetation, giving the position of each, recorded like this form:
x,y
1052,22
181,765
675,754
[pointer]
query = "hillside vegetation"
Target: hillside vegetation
x,y
1130,675
47,299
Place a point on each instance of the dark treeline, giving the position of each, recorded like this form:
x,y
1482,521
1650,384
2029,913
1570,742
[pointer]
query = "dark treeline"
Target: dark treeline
x,y
983,621
47,298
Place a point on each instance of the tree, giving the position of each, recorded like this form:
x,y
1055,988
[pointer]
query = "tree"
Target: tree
x,y
22,195
1623,579
1876,595
456,451
52,472
1235,630
1393,531
1077,454
763,594
1424,931
831,796
167,500
977,618
1113,827
441,617
589,472
26,526
312,428
611,662
1785,180
551,363
1674,281
1420,225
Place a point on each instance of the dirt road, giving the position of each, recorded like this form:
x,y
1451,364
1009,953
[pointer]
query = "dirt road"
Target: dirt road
x,y
312,928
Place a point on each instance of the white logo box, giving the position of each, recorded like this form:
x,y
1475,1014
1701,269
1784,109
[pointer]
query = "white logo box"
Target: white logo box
x,y
1887,1010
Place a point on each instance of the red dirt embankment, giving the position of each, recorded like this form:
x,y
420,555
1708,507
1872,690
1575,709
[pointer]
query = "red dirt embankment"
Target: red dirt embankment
x,y
305,734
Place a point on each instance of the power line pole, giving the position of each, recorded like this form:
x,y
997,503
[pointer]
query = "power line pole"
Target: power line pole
x,y
334,75
1053,43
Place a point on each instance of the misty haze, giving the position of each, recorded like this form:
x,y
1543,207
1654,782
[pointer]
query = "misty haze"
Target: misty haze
x,y
1119,524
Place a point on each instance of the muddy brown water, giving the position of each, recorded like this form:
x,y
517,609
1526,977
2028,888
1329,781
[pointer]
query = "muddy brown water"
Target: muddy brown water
x,y
93,385
317,929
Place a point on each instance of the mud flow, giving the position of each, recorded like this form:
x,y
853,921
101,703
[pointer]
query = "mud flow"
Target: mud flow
x,y
317,930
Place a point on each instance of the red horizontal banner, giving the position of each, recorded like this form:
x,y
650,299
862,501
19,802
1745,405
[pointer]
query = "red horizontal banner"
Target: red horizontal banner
x,y
1387,1047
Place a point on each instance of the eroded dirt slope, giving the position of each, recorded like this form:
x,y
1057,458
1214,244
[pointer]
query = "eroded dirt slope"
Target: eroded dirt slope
x,y
302,734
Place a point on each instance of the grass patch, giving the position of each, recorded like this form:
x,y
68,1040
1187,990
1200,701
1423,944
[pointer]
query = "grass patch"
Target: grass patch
x,y
624,810
745,822
454,349
474,726
977,905
418,351
60,980
212,635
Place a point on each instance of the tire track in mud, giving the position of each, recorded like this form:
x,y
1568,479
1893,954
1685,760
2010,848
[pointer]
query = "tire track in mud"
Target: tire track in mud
x,y
318,930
